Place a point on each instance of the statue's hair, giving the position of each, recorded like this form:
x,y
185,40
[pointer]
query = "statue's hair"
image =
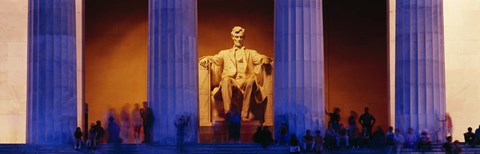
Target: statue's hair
x,y
237,30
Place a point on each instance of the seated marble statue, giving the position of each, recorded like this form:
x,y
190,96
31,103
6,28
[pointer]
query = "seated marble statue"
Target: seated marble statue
x,y
238,70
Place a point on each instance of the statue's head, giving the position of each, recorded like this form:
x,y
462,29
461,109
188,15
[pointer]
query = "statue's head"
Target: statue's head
x,y
238,33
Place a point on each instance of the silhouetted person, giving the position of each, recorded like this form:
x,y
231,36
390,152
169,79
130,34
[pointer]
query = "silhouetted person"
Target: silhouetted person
x,y
378,138
390,139
334,119
477,135
113,131
137,123
257,136
367,121
342,137
308,141
469,137
294,144
92,137
330,137
147,116
318,139
283,134
365,138
234,121
78,138
456,147
266,137
448,146
100,132
181,123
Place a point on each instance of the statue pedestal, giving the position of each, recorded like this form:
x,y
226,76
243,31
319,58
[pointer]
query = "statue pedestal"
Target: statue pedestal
x,y
218,132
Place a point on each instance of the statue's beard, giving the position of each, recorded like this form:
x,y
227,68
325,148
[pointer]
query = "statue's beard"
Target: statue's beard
x,y
238,44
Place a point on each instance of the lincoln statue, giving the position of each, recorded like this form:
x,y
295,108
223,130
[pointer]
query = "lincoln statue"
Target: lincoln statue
x,y
239,84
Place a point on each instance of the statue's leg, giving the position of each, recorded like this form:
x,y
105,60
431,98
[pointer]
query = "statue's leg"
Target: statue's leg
x,y
249,85
226,88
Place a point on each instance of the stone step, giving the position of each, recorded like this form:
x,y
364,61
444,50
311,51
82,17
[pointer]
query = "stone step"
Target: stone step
x,y
197,148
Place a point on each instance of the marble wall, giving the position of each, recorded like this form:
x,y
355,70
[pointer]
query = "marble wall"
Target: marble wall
x,y
13,70
462,64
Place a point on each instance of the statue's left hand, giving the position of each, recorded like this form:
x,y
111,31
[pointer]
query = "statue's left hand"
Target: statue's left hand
x,y
267,60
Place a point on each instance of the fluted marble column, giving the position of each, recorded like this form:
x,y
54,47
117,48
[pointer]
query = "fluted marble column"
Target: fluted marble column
x,y
172,67
420,66
299,73
52,84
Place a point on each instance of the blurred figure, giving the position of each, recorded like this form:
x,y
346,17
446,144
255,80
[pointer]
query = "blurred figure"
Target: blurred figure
x,y
448,146
294,145
334,119
390,139
234,121
410,139
367,121
78,138
365,138
257,136
318,139
424,142
282,138
477,135
125,123
181,123
469,137
147,117
342,137
457,148
449,124
92,137
330,137
378,138
100,132
137,123
307,141
353,130
266,137
113,131
399,140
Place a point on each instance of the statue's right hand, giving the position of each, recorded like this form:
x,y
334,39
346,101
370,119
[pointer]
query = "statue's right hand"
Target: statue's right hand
x,y
203,61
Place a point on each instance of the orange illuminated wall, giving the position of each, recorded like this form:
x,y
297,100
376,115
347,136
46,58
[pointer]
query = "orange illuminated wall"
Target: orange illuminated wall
x,y
356,64
115,57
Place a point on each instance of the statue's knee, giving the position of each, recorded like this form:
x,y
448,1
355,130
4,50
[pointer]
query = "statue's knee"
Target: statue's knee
x,y
226,82
249,82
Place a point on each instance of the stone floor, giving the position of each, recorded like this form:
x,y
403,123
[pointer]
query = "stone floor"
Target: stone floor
x,y
198,149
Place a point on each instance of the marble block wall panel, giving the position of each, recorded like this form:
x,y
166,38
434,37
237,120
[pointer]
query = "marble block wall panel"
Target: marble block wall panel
x,y
462,65
13,70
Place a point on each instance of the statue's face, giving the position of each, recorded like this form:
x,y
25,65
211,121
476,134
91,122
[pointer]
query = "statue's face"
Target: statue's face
x,y
237,40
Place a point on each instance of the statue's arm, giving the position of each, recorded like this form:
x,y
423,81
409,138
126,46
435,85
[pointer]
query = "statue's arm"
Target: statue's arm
x,y
215,59
259,58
